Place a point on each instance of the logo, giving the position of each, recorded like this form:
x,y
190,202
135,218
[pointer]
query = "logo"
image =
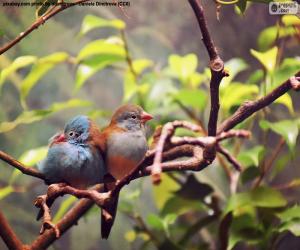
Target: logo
x,y
283,8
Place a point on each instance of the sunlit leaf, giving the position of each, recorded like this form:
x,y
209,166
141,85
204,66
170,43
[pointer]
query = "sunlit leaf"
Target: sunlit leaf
x,y
89,67
290,20
267,59
288,68
155,222
288,129
112,46
139,65
25,118
233,66
183,67
91,22
29,158
72,103
289,213
4,192
164,191
131,87
268,36
286,100
293,226
63,208
236,93
193,98
18,63
36,115
41,67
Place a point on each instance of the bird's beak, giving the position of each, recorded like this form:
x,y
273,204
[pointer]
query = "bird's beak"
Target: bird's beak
x,y
146,117
60,138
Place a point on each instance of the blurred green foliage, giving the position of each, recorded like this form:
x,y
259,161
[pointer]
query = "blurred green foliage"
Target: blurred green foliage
x,y
187,209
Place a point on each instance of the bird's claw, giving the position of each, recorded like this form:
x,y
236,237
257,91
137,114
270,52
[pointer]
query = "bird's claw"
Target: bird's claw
x,y
48,225
40,202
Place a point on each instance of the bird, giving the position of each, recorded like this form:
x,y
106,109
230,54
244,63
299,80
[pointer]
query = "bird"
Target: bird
x,y
74,157
124,144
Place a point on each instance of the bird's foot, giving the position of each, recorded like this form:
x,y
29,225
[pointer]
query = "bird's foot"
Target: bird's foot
x,y
41,202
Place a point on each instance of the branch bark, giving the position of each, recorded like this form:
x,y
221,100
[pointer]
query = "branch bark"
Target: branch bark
x,y
41,20
216,67
250,107
8,235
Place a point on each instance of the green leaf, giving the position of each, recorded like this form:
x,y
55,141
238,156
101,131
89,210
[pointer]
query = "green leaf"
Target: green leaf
x,y
29,158
290,213
251,157
267,59
25,118
233,66
183,67
63,208
18,63
41,67
288,68
236,93
293,226
280,164
164,191
259,197
91,22
288,129
28,117
113,46
139,65
89,67
168,220
286,100
180,206
131,87
193,98
249,174
42,9
155,222
72,103
4,192
290,20
267,37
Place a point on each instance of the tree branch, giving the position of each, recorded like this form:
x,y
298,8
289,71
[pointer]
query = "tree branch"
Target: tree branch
x,y
250,107
18,165
216,67
8,235
41,20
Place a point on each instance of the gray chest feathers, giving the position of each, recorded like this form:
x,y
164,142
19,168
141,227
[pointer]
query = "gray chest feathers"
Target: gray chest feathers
x,y
131,145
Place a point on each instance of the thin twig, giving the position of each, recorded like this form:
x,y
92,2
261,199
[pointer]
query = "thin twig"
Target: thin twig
x,y
250,107
268,165
41,20
18,165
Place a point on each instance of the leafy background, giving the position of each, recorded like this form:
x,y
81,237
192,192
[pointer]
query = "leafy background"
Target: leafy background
x,y
77,64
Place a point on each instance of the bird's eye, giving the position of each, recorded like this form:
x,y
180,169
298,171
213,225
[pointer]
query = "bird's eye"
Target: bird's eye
x,y
72,134
133,117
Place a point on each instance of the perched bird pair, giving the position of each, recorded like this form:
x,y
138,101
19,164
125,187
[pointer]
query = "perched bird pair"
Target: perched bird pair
x,y
82,155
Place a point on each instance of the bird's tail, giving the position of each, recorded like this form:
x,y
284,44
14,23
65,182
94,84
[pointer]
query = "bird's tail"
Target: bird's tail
x,y
108,216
